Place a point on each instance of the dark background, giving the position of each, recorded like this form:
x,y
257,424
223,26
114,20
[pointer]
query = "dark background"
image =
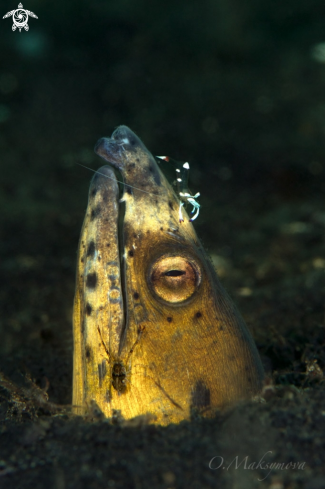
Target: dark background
x,y
238,90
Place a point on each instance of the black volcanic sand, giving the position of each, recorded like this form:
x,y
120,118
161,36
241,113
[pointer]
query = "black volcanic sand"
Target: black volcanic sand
x,y
237,90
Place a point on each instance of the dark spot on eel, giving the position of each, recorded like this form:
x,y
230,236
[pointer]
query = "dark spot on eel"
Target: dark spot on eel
x,y
91,249
171,205
169,319
136,295
198,314
95,213
200,395
91,281
88,352
131,253
88,309
101,372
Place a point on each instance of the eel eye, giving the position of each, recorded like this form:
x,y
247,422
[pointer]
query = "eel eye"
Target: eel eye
x,y
174,278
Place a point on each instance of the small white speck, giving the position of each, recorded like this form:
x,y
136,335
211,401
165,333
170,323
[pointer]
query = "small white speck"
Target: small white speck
x,y
180,215
178,171
186,166
179,179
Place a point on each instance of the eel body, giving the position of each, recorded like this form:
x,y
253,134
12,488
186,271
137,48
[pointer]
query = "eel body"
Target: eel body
x,y
154,330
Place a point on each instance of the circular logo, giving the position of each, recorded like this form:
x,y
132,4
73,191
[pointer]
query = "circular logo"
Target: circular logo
x,y
20,18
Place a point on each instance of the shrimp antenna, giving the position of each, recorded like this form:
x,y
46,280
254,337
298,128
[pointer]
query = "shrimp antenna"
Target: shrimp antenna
x,y
110,178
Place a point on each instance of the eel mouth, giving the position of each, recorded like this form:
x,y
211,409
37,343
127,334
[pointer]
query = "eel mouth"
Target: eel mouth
x,y
109,150
112,149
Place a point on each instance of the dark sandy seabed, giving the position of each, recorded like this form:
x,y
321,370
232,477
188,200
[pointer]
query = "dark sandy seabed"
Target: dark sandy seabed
x,y
238,90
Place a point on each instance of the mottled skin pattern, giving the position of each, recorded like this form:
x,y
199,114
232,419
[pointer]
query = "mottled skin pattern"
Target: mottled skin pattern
x,y
157,334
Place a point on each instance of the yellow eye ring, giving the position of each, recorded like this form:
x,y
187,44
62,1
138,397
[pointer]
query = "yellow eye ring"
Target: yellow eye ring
x,y
174,278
